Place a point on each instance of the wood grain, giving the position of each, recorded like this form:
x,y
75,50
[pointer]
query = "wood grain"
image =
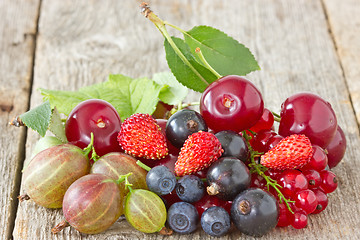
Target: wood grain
x,y
18,29
81,42
344,21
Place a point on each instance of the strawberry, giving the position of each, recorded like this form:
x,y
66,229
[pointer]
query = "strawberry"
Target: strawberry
x,y
140,136
291,152
198,152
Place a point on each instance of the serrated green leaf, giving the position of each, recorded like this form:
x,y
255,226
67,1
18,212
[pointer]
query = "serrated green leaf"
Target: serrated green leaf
x,y
127,95
172,92
182,72
226,55
56,125
38,118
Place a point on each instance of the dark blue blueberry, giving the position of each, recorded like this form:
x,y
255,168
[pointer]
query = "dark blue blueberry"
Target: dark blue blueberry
x,y
255,212
215,221
182,124
190,188
234,145
160,180
183,217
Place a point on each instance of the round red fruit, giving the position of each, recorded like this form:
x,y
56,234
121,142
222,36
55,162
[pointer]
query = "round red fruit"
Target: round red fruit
x,y
309,114
336,148
231,103
98,117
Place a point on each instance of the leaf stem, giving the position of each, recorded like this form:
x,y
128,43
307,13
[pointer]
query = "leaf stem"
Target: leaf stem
x,y
160,24
143,166
206,64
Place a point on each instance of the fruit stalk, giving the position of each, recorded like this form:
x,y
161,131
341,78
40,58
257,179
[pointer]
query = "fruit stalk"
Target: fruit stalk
x,y
160,24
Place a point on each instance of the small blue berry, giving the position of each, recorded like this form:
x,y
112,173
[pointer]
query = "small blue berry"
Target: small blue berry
x,y
190,188
215,221
160,180
183,217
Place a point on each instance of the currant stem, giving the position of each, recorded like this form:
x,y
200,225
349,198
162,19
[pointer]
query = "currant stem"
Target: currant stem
x,y
206,64
260,169
160,24
143,166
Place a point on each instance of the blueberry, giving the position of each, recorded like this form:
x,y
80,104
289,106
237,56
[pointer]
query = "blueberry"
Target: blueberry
x,y
215,221
160,180
234,145
183,217
190,188
182,124
255,212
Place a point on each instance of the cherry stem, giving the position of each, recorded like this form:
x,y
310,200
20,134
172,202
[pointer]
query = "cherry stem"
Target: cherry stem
x,y
181,106
60,226
160,24
206,64
143,166
277,117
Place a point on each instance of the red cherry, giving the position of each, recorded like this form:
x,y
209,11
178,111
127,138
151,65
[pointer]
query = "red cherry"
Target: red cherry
x,y
309,114
231,103
336,148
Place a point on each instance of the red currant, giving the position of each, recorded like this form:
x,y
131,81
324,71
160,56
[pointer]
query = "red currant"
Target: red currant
x,y
322,200
231,103
309,114
299,219
284,219
313,177
306,200
292,181
261,138
98,117
265,122
319,159
329,181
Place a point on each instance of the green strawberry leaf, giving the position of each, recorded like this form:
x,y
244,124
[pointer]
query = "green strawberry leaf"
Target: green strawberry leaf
x,y
197,78
226,55
38,118
56,126
172,92
127,95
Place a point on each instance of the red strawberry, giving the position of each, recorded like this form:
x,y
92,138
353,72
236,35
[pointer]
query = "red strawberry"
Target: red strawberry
x,y
293,151
140,136
198,152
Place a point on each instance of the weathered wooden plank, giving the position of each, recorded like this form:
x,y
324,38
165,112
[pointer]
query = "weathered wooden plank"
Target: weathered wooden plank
x,y
81,42
18,29
344,22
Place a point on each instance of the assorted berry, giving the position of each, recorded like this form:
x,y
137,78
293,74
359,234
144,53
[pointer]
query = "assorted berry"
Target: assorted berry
x,y
198,152
224,164
140,136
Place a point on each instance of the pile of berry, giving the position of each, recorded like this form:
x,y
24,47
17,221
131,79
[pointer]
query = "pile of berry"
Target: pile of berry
x,y
222,165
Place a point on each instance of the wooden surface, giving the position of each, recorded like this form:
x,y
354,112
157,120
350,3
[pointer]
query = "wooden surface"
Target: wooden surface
x,y
64,45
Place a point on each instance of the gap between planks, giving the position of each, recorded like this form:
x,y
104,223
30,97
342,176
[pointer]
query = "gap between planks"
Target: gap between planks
x,y
332,37
22,143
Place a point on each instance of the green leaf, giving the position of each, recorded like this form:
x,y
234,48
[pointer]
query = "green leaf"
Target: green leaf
x,y
56,125
226,55
183,73
127,95
38,118
172,92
